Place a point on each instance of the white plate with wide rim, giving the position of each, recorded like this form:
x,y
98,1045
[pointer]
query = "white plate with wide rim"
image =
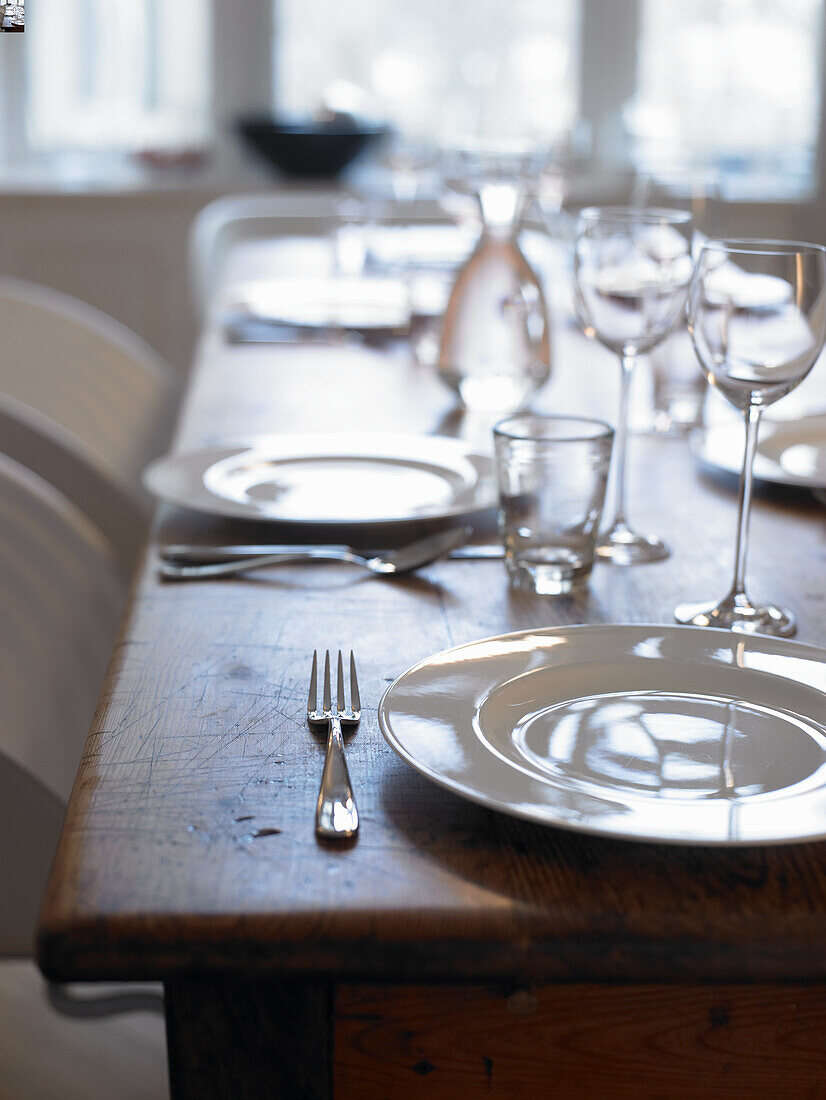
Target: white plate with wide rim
x,y
348,303
668,734
789,452
339,479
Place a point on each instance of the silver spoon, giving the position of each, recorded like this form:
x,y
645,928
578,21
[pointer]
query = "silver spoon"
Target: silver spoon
x,y
404,560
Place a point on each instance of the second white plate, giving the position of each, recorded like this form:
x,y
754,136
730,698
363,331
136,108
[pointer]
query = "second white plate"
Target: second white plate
x,y
789,452
367,305
331,479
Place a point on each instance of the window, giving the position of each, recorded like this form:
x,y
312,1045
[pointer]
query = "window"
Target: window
x,y
733,85
434,66
730,85
114,74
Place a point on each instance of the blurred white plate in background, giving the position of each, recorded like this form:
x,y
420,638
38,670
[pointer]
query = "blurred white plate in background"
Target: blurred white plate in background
x,y
347,302
789,452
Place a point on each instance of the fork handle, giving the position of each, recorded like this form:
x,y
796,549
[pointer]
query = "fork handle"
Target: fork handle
x,y
179,571
336,814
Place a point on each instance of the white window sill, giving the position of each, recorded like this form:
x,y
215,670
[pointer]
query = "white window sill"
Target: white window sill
x,y
82,174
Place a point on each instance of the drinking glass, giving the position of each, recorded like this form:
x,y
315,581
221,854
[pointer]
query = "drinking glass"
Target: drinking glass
x,y
552,182
552,472
678,387
757,319
632,268
672,188
412,163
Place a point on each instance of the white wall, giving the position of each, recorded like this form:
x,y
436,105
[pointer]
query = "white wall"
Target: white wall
x,y
124,253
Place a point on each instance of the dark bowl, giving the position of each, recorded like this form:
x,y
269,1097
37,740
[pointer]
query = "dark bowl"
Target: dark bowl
x,y
308,149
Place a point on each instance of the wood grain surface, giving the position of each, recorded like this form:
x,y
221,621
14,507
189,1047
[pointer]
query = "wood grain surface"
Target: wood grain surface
x,y
580,1042
189,843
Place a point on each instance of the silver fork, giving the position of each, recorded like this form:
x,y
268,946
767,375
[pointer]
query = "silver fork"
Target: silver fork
x,y
336,814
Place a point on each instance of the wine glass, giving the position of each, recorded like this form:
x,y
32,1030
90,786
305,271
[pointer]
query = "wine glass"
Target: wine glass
x,y
632,268
757,319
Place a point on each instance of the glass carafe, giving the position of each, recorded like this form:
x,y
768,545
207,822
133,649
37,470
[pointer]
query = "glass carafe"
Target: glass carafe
x,y
495,350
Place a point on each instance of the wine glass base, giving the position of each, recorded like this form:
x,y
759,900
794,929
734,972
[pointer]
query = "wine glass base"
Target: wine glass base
x,y
622,546
740,618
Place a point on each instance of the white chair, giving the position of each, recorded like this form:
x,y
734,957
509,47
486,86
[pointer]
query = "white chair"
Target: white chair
x,y
235,219
114,506
86,373
61,597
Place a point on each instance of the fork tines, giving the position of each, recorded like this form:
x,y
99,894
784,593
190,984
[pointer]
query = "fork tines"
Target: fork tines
x,y
355,701
327,702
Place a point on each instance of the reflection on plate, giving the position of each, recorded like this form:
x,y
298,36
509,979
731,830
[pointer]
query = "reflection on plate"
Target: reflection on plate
x,y
368,305
789,452
657,733
337,479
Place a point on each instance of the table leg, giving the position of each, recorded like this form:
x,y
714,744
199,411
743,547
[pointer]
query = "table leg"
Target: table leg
x,y
249,1040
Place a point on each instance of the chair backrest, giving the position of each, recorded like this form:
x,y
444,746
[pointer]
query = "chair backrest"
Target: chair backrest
x,y
87,373
113,505
234,218
61,598
230,220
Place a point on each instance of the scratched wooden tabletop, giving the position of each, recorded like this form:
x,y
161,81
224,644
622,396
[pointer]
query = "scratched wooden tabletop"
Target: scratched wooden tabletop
x,y
189,842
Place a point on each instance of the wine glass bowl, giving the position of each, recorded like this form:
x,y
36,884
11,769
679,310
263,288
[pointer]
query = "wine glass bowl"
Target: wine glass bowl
x,y
630,304
632,269
752,336
757,320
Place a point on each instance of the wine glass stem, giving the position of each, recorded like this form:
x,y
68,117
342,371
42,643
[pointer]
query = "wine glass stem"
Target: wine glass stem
x,y
621,440
738,587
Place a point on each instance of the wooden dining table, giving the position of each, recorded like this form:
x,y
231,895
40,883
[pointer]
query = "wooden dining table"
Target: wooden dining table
x,y
448,950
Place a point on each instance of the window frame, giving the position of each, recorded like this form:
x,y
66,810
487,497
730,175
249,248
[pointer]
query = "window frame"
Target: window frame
x,y
242,78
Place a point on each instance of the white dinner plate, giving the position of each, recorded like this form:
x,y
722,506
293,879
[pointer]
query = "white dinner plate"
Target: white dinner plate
x,y
658,733
410,247
335,479
367,305
789,452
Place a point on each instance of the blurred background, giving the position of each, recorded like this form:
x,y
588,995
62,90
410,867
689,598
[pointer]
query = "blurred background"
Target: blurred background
x,y
121,118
